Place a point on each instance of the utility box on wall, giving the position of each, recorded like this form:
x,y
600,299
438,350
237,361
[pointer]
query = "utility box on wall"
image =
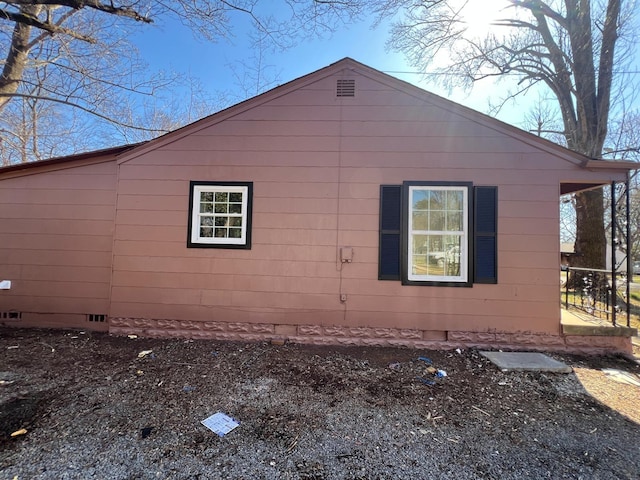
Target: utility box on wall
x,y
346,254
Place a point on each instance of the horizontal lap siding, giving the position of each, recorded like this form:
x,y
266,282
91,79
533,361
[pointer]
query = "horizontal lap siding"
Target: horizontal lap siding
x,y
317,163
64,242
231,280
265,189
56,237
387,144
463,161
290,273
47,196
210,313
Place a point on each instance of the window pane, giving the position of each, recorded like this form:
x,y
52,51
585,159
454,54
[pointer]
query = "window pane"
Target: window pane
x,y
419,258
206,208
443,257
452,255
221,221
437,200
419,246
221,233
235,197
206,221
453,241
420,220
435,254
206,232
235,221
436,221
206,196
435,244
222,197
235,208
221,208
454,200
420,199
454,222
235,232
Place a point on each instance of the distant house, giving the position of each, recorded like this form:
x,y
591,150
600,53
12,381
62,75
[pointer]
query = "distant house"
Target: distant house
x,y
343,207
567,250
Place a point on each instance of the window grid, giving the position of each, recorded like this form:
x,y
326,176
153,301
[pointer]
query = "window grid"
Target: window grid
x,y
220,215
437,233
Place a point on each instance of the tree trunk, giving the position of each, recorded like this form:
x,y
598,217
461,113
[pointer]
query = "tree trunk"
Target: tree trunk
x,y
591,241
17,56
590,247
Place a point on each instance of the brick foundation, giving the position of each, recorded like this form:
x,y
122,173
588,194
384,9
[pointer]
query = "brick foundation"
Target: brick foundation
x,y
367,336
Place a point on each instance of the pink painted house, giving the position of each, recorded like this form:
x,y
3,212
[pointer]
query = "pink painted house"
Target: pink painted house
x,y
343,207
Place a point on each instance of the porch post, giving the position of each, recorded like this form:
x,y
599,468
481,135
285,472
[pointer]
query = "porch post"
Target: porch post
x,y
629,259
614,227
614,291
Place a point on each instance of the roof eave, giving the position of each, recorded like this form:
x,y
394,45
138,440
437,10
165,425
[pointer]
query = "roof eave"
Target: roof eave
x,y
105,154
612,165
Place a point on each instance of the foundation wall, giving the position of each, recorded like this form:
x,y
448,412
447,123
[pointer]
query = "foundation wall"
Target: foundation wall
x,y
367,336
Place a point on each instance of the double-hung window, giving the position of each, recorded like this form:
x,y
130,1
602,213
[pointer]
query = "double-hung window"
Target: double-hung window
x,y
220,214
438,233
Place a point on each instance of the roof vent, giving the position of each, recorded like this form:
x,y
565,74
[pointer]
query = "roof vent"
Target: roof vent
x,y
346,88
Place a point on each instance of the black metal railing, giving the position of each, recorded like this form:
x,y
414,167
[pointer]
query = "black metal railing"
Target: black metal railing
x,y
598,293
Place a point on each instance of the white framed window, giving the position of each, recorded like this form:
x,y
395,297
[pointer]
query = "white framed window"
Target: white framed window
x,y
438,234
220,214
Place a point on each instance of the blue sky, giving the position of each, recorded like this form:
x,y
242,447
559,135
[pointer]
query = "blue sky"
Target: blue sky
x,y
174,48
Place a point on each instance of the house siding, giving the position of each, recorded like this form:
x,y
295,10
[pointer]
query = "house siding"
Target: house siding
x,y
56,236
112,238
317,163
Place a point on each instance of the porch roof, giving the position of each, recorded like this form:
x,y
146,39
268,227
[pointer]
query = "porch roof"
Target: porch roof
x,y
617,166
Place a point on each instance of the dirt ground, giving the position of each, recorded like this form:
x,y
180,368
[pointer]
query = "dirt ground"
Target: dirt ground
x,y
97,406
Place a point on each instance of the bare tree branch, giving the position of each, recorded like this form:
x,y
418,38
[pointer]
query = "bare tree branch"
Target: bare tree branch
x,y
77,53
69,103
569,45
110,8
23,18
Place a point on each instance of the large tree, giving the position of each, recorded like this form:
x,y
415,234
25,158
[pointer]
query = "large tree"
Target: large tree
x,y
74,57
575,49
624,143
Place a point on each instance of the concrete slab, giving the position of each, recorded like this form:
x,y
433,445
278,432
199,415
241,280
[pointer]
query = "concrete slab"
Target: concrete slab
x,y
526,361
580,323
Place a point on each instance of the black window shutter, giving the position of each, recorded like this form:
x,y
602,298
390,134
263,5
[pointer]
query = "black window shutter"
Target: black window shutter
x,y
485,238
390,223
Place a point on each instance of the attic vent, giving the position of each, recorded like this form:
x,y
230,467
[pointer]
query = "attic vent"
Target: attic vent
x,y
346,88
94,317
11,315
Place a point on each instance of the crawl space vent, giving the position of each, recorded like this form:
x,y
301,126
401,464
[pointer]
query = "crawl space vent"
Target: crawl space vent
x,y
11,315
346,88
95,317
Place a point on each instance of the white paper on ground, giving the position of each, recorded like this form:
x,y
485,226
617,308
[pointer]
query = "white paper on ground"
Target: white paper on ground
x,y
220,423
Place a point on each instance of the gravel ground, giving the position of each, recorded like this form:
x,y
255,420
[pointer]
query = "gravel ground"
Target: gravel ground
x,y
92,409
